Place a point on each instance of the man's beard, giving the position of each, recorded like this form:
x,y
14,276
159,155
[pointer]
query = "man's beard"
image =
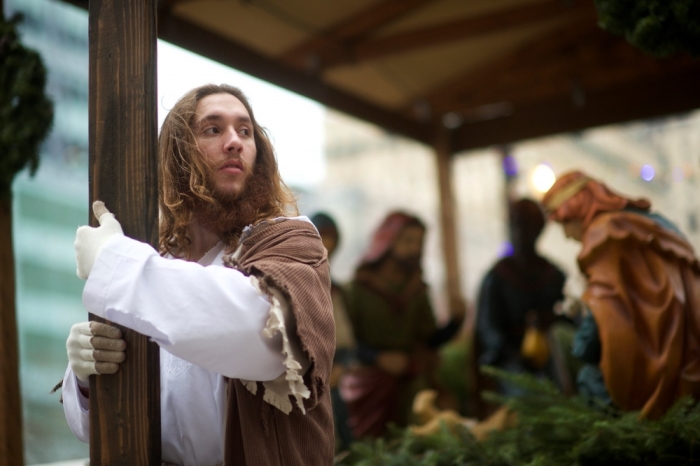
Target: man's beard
x,y
229,214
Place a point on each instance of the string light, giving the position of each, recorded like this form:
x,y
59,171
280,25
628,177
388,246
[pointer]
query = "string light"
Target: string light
x,y
647,172
542,177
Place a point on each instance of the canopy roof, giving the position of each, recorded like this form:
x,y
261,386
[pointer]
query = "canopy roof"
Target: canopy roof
x,y
492,71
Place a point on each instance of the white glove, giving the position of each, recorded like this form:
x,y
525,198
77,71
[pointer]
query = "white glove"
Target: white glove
x,y
94,348
89,241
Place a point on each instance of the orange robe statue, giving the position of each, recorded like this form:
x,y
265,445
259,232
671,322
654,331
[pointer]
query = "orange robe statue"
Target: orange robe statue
x,y
643,292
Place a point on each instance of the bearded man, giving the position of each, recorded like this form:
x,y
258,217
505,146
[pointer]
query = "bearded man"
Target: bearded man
x,y
390,310
238,298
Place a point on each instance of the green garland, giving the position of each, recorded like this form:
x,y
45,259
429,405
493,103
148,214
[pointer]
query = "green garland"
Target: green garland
x,y
26,113
552,430
659,27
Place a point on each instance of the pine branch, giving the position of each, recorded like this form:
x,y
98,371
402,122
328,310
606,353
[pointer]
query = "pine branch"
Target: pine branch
x,y
659,27
552,429
26,113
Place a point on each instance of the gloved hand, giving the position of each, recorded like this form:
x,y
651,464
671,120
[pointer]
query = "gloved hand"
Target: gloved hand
x,y
94,348
89,241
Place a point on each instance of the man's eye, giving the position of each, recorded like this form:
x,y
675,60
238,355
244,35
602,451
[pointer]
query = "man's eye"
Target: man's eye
x,y
211,130
245,131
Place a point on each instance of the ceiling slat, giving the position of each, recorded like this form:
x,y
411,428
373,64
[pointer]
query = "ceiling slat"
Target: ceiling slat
x,y
331,40
201,41
465,28
592,67
646,98
539,50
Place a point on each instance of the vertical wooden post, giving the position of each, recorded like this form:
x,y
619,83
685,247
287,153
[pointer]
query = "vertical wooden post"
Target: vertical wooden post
x,y
443,155
125,407
11,448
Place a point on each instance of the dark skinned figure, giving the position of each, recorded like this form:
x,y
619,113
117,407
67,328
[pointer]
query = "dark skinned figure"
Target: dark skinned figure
x,y
641,334
518,291
395,328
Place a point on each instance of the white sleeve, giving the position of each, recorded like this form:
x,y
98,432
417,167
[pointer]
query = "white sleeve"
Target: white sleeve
x,y
211,316
75,407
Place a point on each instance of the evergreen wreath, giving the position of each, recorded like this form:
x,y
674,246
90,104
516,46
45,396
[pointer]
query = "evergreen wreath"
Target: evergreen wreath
x,y
659,27
26,113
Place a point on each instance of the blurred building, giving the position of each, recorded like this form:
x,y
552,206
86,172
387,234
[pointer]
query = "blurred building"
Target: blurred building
x,y
47,210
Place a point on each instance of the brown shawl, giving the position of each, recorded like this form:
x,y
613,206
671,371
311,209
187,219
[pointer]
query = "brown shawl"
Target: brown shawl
x,y
644,293
289,256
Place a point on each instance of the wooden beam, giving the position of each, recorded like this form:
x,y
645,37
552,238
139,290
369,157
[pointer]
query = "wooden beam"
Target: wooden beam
x,y
599,62
125,407
460,29
201,41
547,77
443,157
540,49
648,98
11,448
350,30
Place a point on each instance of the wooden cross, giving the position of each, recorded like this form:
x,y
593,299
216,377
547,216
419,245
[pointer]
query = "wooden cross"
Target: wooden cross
x,y
125,407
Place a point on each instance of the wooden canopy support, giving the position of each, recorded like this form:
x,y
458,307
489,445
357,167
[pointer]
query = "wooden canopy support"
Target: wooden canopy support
x,y
658,95
594,60
125,407
11,448
539,50
334,40
466,28
443,156
229,53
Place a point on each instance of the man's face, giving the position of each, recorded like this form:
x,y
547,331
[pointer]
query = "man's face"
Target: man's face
x,y
408,247
224,134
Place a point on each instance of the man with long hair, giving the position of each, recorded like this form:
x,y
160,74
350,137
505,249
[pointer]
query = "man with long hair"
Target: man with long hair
x,y
238,298
641,336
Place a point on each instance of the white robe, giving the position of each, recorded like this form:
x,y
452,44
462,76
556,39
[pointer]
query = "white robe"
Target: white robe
x,y
209,321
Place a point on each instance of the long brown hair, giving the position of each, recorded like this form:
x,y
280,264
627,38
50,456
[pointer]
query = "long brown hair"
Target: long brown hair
x,y
182,173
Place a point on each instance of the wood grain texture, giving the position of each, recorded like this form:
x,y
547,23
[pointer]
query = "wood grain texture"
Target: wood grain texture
x,y
125,407
333,40
473,27
665,94
443,157
11,452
